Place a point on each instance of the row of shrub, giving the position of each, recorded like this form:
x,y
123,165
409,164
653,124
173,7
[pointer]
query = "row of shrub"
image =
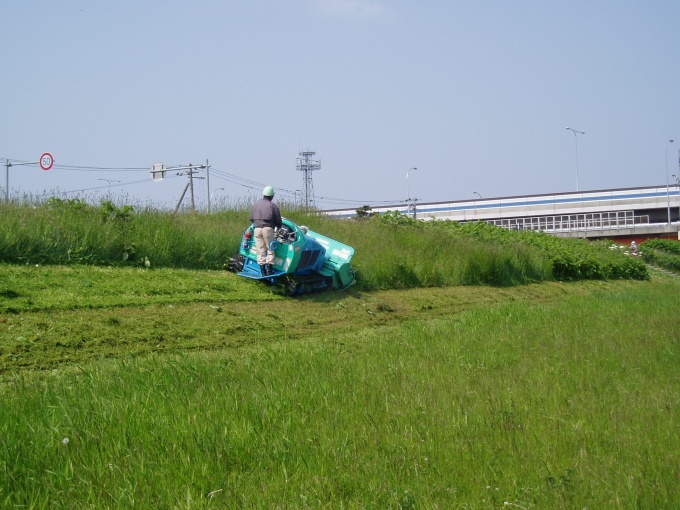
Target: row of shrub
x,y
568,259
391,250
662,252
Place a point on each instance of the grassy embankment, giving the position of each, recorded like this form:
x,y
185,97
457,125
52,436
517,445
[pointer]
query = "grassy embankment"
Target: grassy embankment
x,y
664,253
390,251
173,388
558,395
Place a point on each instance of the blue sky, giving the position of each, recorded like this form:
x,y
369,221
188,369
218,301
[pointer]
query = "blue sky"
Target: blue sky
x,y
475,94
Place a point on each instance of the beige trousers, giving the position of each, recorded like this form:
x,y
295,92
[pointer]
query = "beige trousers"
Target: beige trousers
x,y
263,238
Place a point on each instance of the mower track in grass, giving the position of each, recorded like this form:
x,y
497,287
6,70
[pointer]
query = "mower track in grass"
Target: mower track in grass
x,y
58,316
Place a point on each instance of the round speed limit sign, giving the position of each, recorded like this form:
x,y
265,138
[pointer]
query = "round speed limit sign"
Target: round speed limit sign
x,y
46,161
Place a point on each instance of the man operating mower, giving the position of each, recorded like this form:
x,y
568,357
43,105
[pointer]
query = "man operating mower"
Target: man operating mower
x,y
265,216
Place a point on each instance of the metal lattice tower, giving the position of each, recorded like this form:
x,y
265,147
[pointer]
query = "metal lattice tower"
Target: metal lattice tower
x,y
307,165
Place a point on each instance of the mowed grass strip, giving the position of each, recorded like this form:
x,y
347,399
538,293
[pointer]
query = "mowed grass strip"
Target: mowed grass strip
x,y
65,315
570,403
36,288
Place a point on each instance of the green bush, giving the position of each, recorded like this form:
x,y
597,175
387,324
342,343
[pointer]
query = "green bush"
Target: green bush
x,y
668,245
662,252
570,259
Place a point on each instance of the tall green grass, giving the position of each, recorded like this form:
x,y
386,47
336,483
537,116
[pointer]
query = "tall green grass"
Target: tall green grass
x,y
63,232
415,255
562,406
570,259
390,251
662,252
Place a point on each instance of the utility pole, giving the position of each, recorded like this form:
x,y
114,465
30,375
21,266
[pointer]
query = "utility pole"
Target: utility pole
x,y
158,174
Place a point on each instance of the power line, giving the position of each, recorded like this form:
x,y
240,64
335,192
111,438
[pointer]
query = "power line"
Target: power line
x,y
96,188
98,169
218,174
80,167
247,183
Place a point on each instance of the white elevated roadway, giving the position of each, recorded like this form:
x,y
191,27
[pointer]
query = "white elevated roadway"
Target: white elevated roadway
x,y
628,212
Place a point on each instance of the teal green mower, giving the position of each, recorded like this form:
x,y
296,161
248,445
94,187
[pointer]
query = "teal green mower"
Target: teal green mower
x,y
304,261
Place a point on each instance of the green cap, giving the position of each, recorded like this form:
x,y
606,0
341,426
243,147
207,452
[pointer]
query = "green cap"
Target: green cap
x,y
268,191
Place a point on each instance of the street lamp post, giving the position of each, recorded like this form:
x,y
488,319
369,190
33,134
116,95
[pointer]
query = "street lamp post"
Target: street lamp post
x,y
109,181
213,193
576,146
8,165
211,197
677,186
408,191
668,194
475,201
